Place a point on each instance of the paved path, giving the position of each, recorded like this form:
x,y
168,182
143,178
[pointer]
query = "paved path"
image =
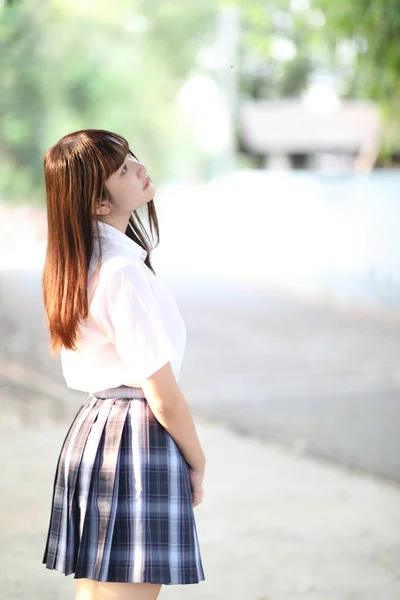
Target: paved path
x,y
272,526
275,524
319,381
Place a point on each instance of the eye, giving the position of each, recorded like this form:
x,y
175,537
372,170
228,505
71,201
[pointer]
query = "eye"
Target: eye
x,y
124,169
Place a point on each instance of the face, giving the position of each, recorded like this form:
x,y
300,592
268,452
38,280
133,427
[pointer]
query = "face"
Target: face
x,y
129,187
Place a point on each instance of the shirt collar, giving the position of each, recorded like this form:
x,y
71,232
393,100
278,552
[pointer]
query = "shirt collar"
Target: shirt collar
x,y
112,233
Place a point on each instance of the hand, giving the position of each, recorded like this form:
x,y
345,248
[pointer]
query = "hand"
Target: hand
x,y
196,480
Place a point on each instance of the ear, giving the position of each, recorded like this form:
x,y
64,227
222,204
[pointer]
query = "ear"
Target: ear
x,y
102,206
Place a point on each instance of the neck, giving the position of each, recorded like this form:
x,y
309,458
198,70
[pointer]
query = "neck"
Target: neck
x,y
120,222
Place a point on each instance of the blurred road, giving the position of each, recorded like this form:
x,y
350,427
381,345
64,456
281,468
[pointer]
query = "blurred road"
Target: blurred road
x,y
317,380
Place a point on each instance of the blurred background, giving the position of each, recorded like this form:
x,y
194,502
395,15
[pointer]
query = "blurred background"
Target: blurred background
x,y
271,131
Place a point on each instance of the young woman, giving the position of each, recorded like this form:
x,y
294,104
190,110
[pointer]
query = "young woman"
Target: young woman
x,y
131,466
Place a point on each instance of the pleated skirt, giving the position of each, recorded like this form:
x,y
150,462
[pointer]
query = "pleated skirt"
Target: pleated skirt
x,y
121,506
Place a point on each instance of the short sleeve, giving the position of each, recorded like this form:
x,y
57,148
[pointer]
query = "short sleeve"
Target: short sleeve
x,y
133,321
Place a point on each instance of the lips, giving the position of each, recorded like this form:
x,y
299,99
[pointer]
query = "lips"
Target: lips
x,y
147,183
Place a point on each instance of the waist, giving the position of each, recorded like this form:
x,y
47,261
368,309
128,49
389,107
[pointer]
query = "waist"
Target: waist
x,y
122,391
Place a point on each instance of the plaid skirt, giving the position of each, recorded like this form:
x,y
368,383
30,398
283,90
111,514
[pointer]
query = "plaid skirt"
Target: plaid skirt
x,y
122,502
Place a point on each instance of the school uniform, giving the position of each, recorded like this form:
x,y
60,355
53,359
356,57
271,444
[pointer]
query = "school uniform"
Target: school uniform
x,y
122,506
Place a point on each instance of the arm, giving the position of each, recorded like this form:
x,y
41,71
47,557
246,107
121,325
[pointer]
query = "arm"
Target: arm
x,y
133,322
171,409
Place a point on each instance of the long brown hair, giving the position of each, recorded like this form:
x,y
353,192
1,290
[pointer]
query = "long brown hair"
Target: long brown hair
x,y
75,170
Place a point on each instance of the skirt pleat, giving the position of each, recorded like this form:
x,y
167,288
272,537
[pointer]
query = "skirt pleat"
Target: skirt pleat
x,y
122,503
57,542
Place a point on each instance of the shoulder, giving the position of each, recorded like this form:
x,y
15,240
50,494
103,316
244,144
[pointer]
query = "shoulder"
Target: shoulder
x,y
119,271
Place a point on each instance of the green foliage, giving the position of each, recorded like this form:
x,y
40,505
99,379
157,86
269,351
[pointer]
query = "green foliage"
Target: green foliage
x,y
357,42
71,65
373,26
266,71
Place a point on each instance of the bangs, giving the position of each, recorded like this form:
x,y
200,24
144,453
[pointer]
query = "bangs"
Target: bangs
x,y
113,149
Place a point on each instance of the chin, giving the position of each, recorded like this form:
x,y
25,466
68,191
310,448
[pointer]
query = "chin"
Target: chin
x,y
152,191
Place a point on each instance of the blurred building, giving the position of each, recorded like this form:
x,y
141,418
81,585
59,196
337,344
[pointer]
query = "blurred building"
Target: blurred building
x,y
297,134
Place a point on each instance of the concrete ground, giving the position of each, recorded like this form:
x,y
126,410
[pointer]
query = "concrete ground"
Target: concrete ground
x,y
272,526
319,380
277,523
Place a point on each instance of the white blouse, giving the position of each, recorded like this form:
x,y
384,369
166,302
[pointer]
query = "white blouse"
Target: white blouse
x,y
133,327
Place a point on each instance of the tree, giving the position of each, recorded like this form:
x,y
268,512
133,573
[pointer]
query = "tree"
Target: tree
x,y
372,27
67,65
